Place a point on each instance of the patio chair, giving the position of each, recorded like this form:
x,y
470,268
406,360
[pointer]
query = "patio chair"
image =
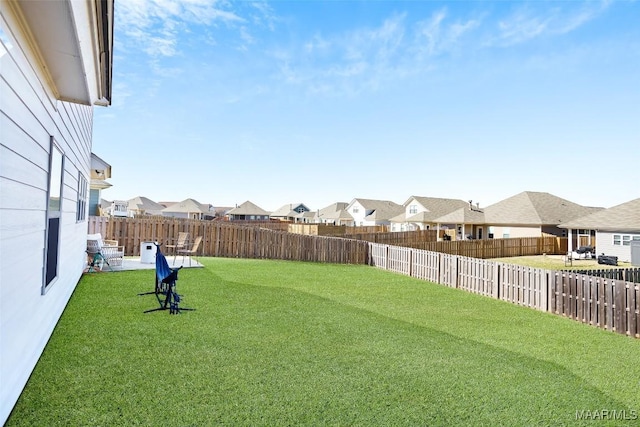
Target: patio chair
x,y
192,251
101,253
181,243
166,278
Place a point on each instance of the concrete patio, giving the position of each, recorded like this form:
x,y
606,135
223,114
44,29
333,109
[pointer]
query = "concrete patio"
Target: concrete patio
x,y
135,263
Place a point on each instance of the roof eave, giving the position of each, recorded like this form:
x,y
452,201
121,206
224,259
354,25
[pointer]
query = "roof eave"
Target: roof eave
x,y
71,44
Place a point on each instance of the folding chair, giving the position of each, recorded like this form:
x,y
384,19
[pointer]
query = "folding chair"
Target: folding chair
x,y
101,253
166,278
183,237
190,252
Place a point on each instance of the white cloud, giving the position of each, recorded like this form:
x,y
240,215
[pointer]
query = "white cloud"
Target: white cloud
x,y
364,58
155,25
436,36
525,23
429,31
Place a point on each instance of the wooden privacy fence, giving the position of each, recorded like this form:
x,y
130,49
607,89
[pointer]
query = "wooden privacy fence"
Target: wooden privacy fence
x,y
226,239
498,248
607,303
626,274
234,237
334,230
489,248
408,239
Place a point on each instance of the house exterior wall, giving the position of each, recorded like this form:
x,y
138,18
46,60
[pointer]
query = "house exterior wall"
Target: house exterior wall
x,y
29,117
94,202
512,231
358,212
176,214
608,245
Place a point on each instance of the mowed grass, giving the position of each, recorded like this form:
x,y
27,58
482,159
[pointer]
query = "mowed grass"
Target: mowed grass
x,y
286,343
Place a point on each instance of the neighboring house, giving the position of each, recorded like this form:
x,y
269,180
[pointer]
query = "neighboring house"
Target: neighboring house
x,y
104,209
335,214
306,217
55,62
189,208
119,208
615,228
221,211
289,212
422,213
141,206
100,172
367,212
532,214
247,212
466,223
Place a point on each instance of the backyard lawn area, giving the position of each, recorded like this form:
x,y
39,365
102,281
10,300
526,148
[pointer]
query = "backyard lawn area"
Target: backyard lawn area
x,y
291,343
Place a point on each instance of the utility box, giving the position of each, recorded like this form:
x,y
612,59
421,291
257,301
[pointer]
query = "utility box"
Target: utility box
x,y
148,252
635,253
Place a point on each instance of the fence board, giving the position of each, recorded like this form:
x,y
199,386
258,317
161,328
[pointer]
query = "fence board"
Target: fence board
x,y
476,275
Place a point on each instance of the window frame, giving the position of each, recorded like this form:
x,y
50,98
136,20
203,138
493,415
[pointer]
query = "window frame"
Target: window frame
x,y
53,215
83,198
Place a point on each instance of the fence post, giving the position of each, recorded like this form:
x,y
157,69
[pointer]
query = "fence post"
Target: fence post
x,y
619,292
410,262
544,290
496,281
456,272
386,257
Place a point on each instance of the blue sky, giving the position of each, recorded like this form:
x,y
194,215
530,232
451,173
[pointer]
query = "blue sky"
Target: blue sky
x,y
318,102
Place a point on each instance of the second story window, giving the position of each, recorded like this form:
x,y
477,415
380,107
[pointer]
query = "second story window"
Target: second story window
x,y
413,209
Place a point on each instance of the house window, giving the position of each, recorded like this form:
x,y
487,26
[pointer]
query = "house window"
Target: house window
x,y
413,209
506,232
355,209
617,239
626,240
54,209
83,198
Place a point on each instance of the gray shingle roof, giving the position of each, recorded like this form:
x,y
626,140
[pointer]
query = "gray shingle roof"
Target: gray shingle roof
x,y
288,210
438,205
623,217
247,208
462,215
187,206
383,209
331,211
535,208
145,204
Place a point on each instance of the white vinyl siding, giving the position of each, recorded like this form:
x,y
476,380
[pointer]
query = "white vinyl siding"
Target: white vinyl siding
x,y
29,118
615,244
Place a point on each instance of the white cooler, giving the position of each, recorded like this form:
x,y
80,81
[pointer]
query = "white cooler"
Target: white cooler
x,y
148,252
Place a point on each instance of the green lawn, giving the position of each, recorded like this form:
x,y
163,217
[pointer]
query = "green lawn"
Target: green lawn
x,y
286,343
